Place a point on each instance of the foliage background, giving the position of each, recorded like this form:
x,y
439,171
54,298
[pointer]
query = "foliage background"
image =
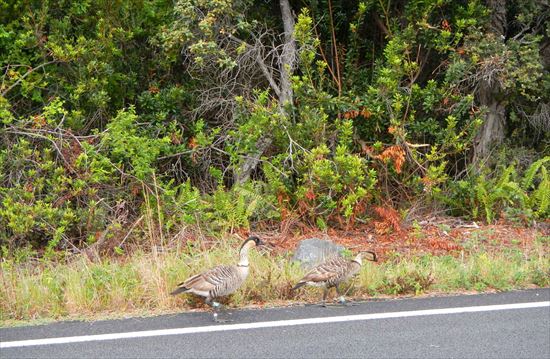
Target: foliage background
x,y
126,121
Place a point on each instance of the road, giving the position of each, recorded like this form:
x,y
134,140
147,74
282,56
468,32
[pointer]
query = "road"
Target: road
x,y
503,325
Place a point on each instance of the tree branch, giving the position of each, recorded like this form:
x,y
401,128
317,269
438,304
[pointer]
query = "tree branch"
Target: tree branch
x,y
27,74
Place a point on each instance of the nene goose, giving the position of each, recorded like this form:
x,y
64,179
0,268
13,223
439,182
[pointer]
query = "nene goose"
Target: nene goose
x,y
333,272
221,280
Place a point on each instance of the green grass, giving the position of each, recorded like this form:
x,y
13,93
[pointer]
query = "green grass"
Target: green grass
x,y
140,283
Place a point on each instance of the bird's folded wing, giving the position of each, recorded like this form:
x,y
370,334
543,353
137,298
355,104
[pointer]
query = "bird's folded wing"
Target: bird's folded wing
x,y
325,271
209,279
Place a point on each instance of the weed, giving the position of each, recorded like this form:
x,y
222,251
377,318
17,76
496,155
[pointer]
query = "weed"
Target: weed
x,y
417,231
142,282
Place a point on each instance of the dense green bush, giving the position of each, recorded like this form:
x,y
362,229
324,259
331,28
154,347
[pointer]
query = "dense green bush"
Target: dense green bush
x,y
504,193
115,112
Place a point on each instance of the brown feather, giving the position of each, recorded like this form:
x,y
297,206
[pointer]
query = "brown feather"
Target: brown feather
x,y
331,272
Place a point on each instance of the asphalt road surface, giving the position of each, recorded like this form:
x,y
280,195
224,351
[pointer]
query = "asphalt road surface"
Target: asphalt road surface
x,y
503,325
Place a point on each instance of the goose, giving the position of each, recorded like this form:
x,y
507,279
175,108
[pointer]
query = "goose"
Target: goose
x,y
221,280
333,272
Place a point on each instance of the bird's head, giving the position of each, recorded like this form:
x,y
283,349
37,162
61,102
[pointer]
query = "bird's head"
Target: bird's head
x,y
251,241
368,255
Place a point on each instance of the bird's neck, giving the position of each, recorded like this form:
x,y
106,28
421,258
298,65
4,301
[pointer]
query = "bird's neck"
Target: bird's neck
x,y
243,257
358,259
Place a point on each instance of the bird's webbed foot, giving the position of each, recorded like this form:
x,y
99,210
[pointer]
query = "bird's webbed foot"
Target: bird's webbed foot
x,y
219,315
344,303
219,319
321,305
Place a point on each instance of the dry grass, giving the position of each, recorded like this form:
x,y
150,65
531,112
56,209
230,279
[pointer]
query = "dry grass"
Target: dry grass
x,y
141,282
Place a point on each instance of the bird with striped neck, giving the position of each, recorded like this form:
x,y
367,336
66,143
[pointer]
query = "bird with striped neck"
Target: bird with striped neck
x,y
333,272
221,280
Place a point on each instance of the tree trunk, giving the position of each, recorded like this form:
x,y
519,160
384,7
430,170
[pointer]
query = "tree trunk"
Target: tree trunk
x,y
286,67
288,55
489,95
498,24
492,130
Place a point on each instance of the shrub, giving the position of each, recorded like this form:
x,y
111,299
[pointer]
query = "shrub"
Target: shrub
x,y
504,193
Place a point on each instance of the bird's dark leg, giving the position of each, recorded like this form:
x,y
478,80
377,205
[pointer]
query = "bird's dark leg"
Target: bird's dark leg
x,y
323,302
325,292
217,310
214,309
341,298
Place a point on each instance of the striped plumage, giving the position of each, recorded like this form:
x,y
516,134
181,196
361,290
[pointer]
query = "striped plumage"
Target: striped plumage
x,y
215,282
333,272
330,273
221,280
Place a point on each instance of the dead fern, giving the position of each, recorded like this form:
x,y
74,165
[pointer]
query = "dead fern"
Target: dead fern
x,y
389,219
395,154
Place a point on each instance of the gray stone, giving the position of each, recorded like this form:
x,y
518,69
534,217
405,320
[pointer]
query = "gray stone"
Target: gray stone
x,y
313,251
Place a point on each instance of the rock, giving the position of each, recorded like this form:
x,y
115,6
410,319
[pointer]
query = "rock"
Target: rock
x,y
313,251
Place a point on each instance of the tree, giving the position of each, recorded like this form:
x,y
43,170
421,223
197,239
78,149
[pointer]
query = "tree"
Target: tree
x,y
286,66
231,54
507,87
490,93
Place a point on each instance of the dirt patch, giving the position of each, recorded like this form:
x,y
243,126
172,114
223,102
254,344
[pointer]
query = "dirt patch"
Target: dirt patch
x,y
438,236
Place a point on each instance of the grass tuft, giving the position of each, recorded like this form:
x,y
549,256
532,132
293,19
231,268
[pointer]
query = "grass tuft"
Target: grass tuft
x,y
142,282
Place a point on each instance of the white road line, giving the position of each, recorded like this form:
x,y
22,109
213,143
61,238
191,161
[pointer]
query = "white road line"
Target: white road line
x,y
271,324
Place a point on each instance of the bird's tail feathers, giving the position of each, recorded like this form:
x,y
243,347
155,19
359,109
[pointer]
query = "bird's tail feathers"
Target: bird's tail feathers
x,y
300,284
179,290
